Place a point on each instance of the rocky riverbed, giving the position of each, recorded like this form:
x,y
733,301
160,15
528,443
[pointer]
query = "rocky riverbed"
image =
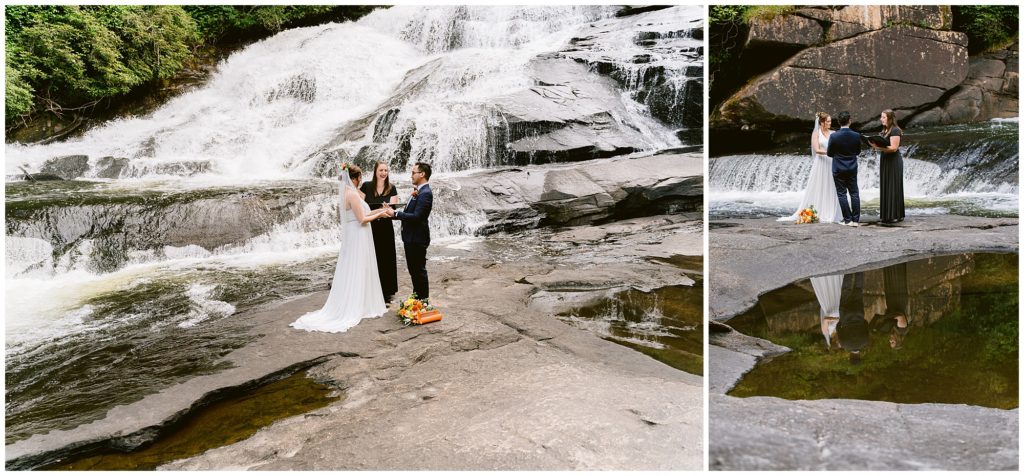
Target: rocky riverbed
x,y
498,384
751,257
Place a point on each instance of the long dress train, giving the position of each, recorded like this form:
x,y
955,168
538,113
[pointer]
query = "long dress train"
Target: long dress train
x,y
821,190
355,291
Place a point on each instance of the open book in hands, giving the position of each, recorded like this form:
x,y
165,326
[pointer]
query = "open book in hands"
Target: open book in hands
x,y
876,140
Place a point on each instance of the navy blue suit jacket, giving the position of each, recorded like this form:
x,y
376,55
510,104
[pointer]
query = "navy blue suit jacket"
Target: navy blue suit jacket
x,y
844,147
415,227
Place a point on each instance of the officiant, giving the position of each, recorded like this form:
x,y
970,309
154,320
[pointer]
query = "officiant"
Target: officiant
x,y
379,191
890,171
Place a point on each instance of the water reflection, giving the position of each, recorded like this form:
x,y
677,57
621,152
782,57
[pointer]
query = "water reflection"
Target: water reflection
x,y
942,330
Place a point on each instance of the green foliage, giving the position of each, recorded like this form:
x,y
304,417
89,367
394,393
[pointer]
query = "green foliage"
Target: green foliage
x,y
726,32
988,27
18,91
66,56
766,12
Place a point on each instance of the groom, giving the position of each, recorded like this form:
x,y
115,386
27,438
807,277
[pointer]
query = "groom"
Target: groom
x,y
416,229
844,147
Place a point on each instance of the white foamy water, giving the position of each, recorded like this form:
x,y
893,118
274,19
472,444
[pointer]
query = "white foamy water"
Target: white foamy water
x,y
265,114
270,107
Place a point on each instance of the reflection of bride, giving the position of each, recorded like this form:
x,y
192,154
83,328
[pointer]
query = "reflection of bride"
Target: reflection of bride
x,y
821,188
828,290
355,291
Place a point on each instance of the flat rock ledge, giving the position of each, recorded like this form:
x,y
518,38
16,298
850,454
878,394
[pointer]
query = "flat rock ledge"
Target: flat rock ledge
x,y
494,385
766,433
751,257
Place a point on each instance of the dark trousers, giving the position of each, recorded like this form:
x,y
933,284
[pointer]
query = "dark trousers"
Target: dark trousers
x,y
416,260
848,181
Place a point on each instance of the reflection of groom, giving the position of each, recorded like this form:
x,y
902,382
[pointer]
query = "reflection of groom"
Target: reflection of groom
x,y
844,147
852,330
416,229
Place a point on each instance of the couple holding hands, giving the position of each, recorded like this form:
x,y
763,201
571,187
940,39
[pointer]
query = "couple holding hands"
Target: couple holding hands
x,y
365,277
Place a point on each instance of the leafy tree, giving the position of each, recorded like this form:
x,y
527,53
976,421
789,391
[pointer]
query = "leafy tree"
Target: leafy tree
x,y
988,27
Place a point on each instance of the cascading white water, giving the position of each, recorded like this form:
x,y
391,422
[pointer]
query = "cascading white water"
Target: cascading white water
x,y
273,105
980,170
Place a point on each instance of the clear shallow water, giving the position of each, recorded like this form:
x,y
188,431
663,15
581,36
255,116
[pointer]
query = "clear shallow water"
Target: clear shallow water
x,y
223,423
666,324
935,330
962,170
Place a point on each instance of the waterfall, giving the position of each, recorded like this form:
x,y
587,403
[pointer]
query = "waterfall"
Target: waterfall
x,y
215,203
958,165
402,84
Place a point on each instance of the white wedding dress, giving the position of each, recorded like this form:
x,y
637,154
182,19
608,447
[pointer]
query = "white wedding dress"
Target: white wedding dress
x,y
828,290
821,188
355,291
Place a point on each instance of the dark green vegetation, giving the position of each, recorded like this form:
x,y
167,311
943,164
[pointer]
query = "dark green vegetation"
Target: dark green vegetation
x,y
961,345
220,424
987,27
665,324
63,59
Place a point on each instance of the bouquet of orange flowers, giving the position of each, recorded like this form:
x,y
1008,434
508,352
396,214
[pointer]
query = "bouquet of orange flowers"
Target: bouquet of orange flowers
x,y
414,311
807,215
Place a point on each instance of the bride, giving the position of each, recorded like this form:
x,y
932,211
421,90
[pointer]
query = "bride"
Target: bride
x,y
821,189
355,292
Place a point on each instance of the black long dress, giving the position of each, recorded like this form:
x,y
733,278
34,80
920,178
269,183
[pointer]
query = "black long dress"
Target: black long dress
x,y
383,240
891,183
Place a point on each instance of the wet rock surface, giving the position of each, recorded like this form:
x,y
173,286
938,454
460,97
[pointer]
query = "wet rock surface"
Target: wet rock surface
x,y
494,385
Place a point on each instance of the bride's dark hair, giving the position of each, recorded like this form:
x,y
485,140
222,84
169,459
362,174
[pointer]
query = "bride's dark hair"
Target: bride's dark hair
x,y
890,118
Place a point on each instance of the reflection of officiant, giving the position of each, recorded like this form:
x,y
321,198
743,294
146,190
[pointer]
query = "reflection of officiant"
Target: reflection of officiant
x,y
828,290
895,321
852,329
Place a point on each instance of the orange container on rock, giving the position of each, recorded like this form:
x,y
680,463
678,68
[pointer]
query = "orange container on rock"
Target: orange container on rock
x,y
428,316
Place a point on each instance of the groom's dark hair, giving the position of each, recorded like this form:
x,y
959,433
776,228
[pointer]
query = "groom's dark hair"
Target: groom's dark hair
x,y
843,118
425,168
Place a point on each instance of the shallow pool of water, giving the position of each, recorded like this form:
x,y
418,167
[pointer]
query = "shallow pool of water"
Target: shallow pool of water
x,y
222,423
665,324
935,330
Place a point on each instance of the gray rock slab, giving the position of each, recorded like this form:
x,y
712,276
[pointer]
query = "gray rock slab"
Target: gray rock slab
x,y
765,433
749,257
494,385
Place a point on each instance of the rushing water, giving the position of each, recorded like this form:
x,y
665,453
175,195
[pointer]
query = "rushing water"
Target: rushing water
x,y
964,170
934,330
127,280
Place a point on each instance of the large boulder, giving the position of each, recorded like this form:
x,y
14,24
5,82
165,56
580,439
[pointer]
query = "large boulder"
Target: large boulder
x,y
990,91
561,194
784,31
845,22
864,75
67,167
